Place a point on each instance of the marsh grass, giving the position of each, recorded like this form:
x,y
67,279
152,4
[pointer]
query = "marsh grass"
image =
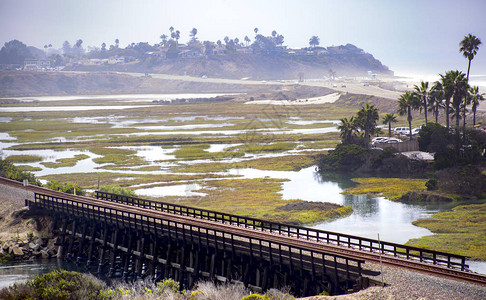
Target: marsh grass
x,y
117,156
28,168
461,231
279,163
253,197
90,180
193,153
390,188
21,159
257,198
65,162
264,148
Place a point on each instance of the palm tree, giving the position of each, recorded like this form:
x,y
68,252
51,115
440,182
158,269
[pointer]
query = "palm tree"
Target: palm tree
x,y
247,40
274,33
469,48
435,99
475,97
256,30
193,33
347,128
406,103
424,93
117,42
163,37
388,119
314,41
459,91
448,91
366,119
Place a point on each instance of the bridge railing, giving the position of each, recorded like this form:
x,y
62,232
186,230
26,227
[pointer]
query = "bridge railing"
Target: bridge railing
x,y
334,263
345,240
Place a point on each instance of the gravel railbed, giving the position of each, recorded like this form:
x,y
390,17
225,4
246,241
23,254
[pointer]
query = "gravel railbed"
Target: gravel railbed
x,y
405,284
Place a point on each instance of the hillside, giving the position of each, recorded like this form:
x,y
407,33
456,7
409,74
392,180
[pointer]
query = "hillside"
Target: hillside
x,y
344,60
25,83
31,83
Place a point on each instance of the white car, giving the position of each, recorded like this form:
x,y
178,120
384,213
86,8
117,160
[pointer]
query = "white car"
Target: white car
x,y
416,131
393,141
380,139
400,130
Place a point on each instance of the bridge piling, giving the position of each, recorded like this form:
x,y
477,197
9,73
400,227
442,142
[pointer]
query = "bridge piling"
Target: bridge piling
x,y
92,243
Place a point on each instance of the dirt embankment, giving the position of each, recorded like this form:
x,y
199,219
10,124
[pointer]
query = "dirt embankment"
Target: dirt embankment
x,y
24,234
23,83
351,61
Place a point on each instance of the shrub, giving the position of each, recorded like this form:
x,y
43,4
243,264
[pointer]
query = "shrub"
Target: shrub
x,y
343,158
8,170
57,285
431,184
255,297
115,189
167,285
66,187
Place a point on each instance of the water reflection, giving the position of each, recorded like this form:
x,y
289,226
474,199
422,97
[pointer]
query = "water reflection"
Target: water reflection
x,y
371,215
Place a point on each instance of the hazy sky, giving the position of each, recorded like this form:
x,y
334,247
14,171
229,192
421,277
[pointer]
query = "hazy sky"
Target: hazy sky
x,y
406,35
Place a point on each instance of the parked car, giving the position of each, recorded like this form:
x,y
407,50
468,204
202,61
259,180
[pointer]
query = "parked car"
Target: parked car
x,y
393,141
404,133
400,130
377,140
416,131
343,85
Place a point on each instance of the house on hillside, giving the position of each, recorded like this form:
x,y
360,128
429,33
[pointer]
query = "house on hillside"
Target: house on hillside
x,y
320,51
187,53
36,64
219,50
245,50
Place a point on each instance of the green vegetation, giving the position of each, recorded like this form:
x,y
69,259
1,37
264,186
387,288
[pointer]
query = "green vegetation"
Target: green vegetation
x,y
193,153
346,157
28,168
260,198
116,156
390,188
460,231
114,189
259,148
66,187
24,158
59,285
64,285
281,163
65,162
8,170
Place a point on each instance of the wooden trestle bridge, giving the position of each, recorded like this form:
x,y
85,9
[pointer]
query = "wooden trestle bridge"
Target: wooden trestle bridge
x,y
134,238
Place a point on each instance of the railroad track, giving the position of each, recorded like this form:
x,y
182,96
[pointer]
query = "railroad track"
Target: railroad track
x,y
374,257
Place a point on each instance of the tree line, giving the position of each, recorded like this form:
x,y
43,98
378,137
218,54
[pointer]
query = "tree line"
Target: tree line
x,y
15,52
451,95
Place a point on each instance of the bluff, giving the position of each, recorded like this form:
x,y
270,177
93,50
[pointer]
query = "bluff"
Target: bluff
x,y
343,60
